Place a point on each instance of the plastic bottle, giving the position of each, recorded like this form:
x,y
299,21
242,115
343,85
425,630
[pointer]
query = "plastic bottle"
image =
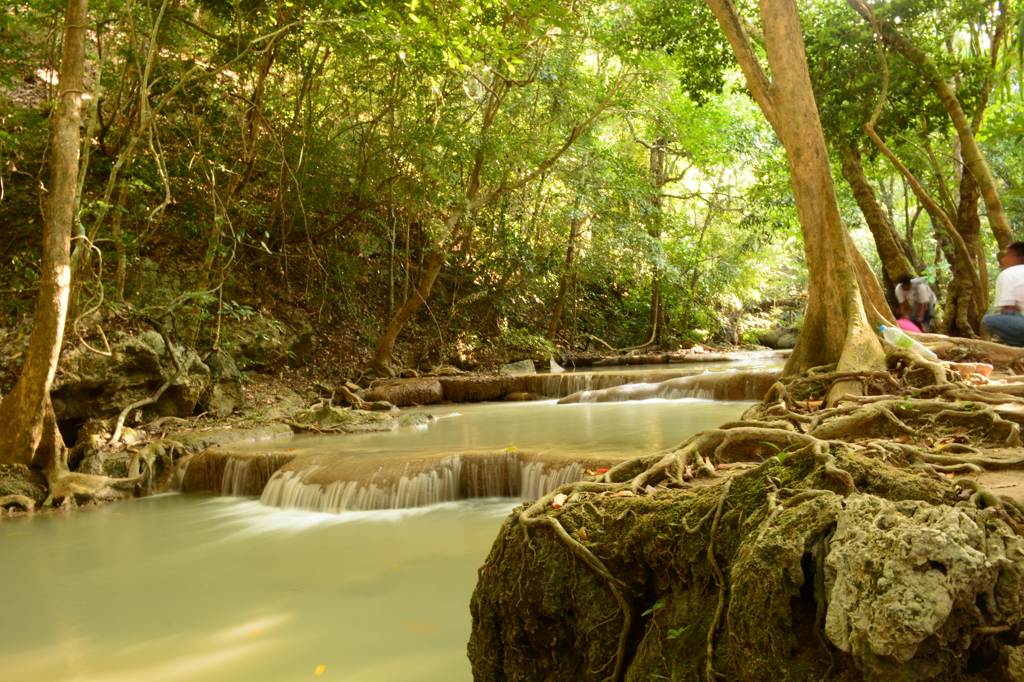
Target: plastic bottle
x,y
898,337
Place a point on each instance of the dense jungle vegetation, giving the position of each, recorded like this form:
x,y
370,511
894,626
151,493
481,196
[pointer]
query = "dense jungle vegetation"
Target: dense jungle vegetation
x,y
562,169
471,182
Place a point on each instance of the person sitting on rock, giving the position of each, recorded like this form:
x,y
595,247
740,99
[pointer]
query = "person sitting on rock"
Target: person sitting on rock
x,y
1008,324
916,300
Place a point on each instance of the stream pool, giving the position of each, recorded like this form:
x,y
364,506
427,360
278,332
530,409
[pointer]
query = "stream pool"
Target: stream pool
x,y
197,587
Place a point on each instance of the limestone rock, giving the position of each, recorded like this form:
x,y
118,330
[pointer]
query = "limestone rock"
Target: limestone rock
x,y
521,367
908,583
92,385
325,417
779,338
270,343
225,391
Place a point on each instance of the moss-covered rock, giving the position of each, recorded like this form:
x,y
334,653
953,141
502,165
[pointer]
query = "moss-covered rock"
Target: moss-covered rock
x,y
768,576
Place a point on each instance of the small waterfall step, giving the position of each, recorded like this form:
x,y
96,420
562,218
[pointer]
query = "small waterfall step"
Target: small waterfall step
x,y
738,385
484,388
337,483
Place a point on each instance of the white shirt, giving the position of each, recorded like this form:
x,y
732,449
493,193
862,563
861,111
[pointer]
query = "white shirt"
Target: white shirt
x,y
1010,288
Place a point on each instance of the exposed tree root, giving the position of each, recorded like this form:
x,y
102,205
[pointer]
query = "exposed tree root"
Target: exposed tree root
x,y
916,428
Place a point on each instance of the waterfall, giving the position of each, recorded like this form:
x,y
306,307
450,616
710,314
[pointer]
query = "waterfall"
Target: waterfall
x,y
729,385
398,484
235,480
540,478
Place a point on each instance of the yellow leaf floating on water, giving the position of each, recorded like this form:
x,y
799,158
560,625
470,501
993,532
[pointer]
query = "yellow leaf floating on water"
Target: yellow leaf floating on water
x,y
418,626
320,670
253,634
394,565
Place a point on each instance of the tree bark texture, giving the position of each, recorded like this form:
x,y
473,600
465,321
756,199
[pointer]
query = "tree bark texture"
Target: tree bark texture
x,y
23,411
894,260
563,284
961,310
836,327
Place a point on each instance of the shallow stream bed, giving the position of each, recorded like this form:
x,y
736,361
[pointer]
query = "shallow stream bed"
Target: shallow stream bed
x,y
196,587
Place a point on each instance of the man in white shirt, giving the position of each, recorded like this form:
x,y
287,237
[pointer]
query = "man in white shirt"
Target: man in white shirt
x,y
1008,324
917,301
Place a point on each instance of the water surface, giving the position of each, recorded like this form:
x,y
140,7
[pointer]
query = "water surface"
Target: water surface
x,y
203,588
194,587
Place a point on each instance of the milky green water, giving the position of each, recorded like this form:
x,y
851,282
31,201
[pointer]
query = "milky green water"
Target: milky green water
x,y
625,428
198,588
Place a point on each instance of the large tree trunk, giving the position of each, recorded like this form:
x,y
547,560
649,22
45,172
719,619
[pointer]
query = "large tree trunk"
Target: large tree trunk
x,y
836,327
894,260
972,156
961,312
23,411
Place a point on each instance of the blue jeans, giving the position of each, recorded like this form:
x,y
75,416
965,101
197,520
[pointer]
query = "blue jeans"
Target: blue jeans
x,y
1009,328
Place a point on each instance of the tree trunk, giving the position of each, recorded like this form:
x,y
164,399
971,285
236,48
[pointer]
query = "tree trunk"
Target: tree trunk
x,y
970,152
381,361
894,260
836,326
24,410
837,329
961,312
563,285
659,178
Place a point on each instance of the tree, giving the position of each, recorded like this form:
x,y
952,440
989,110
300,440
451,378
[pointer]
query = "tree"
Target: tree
x,y
31,428
842,308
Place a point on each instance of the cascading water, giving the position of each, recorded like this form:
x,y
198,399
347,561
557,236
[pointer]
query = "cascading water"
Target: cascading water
x,y
400,485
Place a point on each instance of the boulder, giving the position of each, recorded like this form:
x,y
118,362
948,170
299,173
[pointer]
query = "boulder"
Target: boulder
x,y
905,581
92,385
224,393
260,342
325,417
779,338
521,367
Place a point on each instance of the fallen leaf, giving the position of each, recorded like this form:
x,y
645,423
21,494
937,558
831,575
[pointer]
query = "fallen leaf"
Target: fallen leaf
x,y
253,634
559,500
729,465
418,626
650,490
960,432
624,493
394,565
904,439
582,532
320,670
